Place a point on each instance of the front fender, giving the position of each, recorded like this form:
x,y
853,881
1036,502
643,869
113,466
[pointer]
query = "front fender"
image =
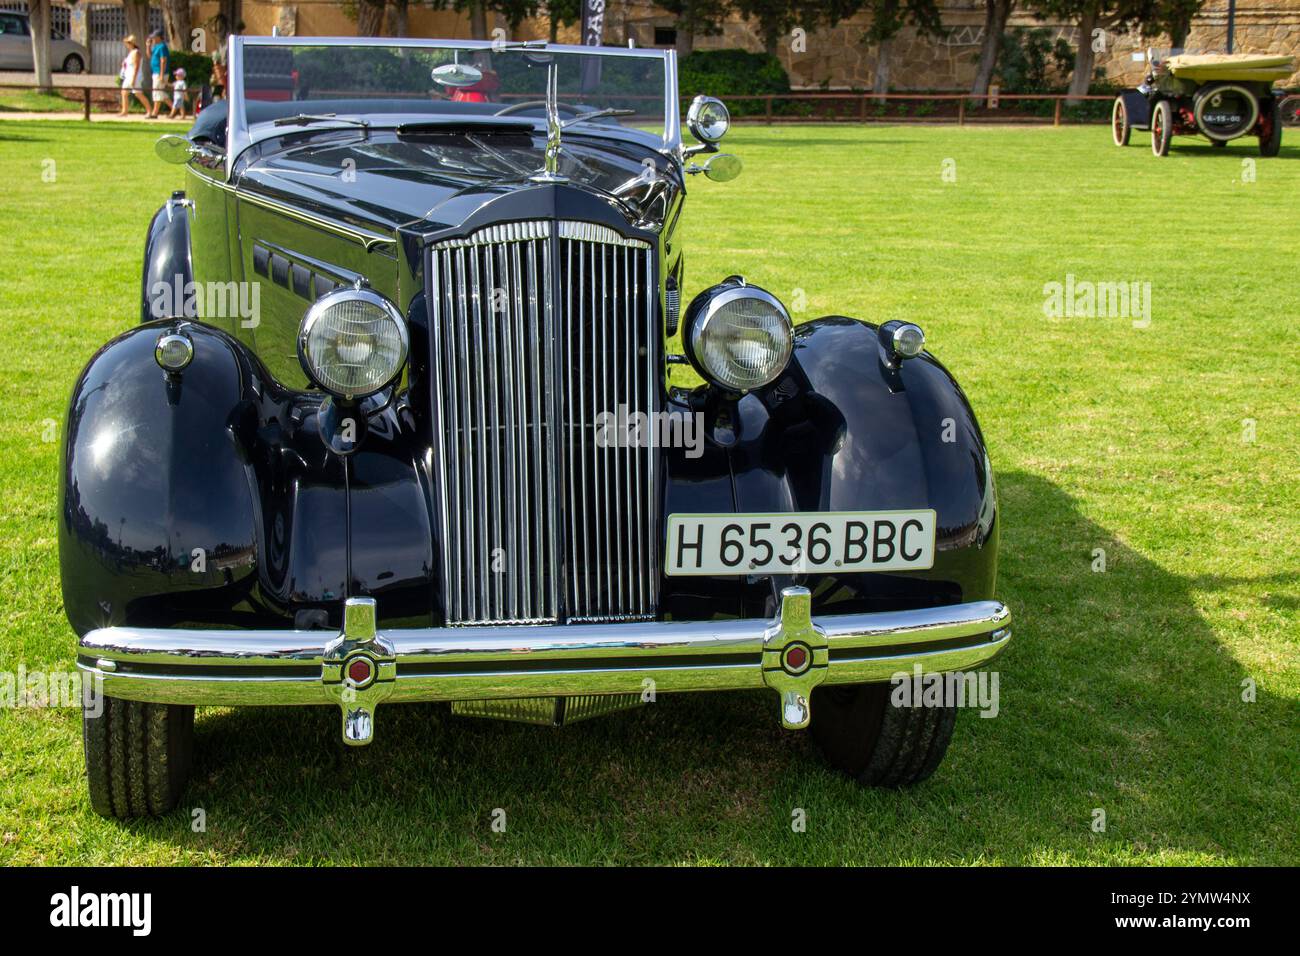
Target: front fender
x,y
209,500
168,268
1138,108
840,431
152,470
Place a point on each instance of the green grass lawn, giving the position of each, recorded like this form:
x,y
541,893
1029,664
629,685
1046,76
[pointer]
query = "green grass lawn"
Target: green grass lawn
x,y
34,101
1122,690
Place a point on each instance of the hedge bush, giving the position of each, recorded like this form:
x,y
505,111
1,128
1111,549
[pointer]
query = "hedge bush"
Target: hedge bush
x,y
197,66
724,73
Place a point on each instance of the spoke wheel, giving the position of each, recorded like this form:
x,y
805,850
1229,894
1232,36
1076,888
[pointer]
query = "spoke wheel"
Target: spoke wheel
x,y
1162,128
1119,126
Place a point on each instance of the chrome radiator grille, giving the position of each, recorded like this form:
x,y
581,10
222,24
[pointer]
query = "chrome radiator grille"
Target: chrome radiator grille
x,y
542,336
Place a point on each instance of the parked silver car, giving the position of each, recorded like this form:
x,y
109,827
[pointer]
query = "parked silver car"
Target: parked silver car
x,y
16,47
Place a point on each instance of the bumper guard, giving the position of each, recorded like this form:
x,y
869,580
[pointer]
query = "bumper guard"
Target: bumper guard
x,y
362,667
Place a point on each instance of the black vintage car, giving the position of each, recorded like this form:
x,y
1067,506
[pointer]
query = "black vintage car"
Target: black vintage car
x,y
413,413
1222,96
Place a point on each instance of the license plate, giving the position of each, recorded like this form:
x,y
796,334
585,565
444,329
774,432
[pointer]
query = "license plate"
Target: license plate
x,y
800,543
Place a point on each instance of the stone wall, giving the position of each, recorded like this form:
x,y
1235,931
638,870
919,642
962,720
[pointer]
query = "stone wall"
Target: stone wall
x,y
325,18
837,58
840,59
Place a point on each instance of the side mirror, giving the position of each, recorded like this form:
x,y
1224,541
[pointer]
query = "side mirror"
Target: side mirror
x,y
720,167
723,167
174,149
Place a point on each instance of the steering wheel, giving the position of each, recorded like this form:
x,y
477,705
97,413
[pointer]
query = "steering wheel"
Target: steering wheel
x,y
535,104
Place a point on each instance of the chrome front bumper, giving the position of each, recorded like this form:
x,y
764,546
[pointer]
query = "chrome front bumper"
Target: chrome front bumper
x,y
792,655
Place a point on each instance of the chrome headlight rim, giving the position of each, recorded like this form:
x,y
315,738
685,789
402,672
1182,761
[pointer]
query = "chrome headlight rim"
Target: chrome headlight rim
x,y
695,120
706,306
317,310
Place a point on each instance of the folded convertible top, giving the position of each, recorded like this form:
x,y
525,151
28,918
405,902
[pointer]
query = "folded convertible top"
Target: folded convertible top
x,y
1208,67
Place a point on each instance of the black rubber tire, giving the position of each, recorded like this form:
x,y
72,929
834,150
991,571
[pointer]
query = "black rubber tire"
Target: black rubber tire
x,y
1271,145
861,733
1162,128
137,756
1120,130
73,63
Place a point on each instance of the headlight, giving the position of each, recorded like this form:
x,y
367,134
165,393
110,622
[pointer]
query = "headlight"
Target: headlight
x,y
738,336
708,119
352,342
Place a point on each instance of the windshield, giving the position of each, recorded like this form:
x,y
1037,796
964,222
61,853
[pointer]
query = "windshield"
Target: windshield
x,y
283,77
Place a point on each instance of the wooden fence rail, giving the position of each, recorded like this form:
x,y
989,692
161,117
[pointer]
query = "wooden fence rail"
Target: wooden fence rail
x,y
771,116
865,101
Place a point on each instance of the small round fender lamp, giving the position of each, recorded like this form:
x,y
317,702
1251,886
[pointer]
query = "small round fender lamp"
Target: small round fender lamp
x,y
901,340
173,352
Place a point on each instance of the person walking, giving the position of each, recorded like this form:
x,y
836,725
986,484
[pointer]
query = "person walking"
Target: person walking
x,y
132,76
219,62
158,69
178,95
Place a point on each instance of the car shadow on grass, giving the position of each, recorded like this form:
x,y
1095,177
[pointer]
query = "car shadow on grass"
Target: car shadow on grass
x,y
1234,150
1115,696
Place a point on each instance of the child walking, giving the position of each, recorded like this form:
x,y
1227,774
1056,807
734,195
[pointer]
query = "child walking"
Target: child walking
x,y
178,94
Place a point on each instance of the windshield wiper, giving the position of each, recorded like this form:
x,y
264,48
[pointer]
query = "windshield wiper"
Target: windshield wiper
x,y
498,155
596,114
459,124
304,119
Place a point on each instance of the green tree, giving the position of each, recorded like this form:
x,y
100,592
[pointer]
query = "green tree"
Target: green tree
x,y
888,17
693,18
137,21
1096,19
370,17
176,18
562,13
996,14
39,20
515,12
397,20
1031,61
778,18
1174,18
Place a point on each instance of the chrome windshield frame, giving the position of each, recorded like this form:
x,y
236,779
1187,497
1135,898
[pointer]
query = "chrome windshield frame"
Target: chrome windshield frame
x,y
239,137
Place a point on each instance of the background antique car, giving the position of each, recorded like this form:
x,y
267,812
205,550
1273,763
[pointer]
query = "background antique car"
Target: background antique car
x,y
1223,96
66,55
359,449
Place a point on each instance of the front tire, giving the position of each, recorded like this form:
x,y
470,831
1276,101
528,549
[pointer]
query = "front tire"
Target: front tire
x,y
137,756
1162,128
862,733
1120,130
73,64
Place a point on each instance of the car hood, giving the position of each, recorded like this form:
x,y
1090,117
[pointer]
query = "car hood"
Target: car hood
x,y
429,181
